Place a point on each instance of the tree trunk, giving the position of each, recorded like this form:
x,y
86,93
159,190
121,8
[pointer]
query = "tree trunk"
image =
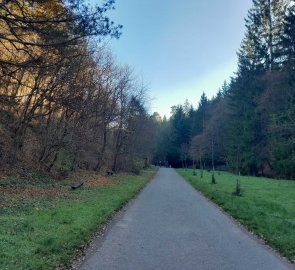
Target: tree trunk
x,y
104,144
212,154
270,36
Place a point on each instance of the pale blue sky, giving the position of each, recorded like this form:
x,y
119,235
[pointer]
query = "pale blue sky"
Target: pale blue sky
x,y
180,48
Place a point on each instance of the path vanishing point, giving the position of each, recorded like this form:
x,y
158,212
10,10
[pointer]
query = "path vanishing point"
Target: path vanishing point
x,y
171,226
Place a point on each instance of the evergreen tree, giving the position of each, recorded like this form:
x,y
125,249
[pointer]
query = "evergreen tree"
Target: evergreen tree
x,y
288,40
180,134
242,131
199,116
261,48
260,52
281,105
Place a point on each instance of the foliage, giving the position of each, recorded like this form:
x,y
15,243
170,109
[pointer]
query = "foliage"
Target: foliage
x,y
64,162
64,102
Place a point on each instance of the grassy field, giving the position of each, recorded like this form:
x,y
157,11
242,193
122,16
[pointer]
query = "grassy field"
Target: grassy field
x,y
43,223
266,207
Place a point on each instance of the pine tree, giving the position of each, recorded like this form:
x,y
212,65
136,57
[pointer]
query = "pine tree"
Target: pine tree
x,y
282,105
242,132
180,134
261,52
261,48
288,40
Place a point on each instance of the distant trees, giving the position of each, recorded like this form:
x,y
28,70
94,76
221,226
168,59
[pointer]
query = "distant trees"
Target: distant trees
x,y
249,125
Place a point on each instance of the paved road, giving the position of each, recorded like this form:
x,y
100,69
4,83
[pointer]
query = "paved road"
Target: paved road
x,y
171,226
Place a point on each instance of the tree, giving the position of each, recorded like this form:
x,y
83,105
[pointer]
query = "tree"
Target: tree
x,y
180,134
260,52
43,45
288,40
260,49
197,151
243,133
214,132
200,115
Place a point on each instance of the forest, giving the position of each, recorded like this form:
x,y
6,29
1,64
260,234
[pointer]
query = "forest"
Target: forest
x,y
66,104
249,126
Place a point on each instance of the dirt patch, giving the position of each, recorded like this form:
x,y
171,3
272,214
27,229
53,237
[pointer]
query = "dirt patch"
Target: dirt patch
x,y
91,179
99,181
17,190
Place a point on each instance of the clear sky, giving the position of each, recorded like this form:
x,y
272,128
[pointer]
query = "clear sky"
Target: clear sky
x,y
180,48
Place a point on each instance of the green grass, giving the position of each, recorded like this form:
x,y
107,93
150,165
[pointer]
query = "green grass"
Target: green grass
x,y
45,233
266,207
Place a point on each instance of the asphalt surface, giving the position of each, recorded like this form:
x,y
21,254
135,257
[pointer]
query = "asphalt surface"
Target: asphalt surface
x,y
173,227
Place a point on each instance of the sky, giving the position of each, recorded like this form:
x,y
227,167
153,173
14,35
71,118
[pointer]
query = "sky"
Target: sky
x,y
179,49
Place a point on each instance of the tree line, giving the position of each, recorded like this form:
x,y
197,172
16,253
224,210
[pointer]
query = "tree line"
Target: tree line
x,y
249,126
64,101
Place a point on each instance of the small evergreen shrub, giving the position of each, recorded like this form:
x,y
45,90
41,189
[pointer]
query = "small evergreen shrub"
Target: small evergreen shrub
x,y
213,180
238,191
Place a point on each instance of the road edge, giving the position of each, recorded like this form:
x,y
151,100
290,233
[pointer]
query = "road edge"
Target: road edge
x,y
87,250
243,227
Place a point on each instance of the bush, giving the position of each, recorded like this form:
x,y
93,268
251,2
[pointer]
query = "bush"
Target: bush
x,y
238,191
213,180
64,163
137,166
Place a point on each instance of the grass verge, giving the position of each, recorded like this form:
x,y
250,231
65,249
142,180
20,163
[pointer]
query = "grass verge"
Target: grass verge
x,y
43,227
266,206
